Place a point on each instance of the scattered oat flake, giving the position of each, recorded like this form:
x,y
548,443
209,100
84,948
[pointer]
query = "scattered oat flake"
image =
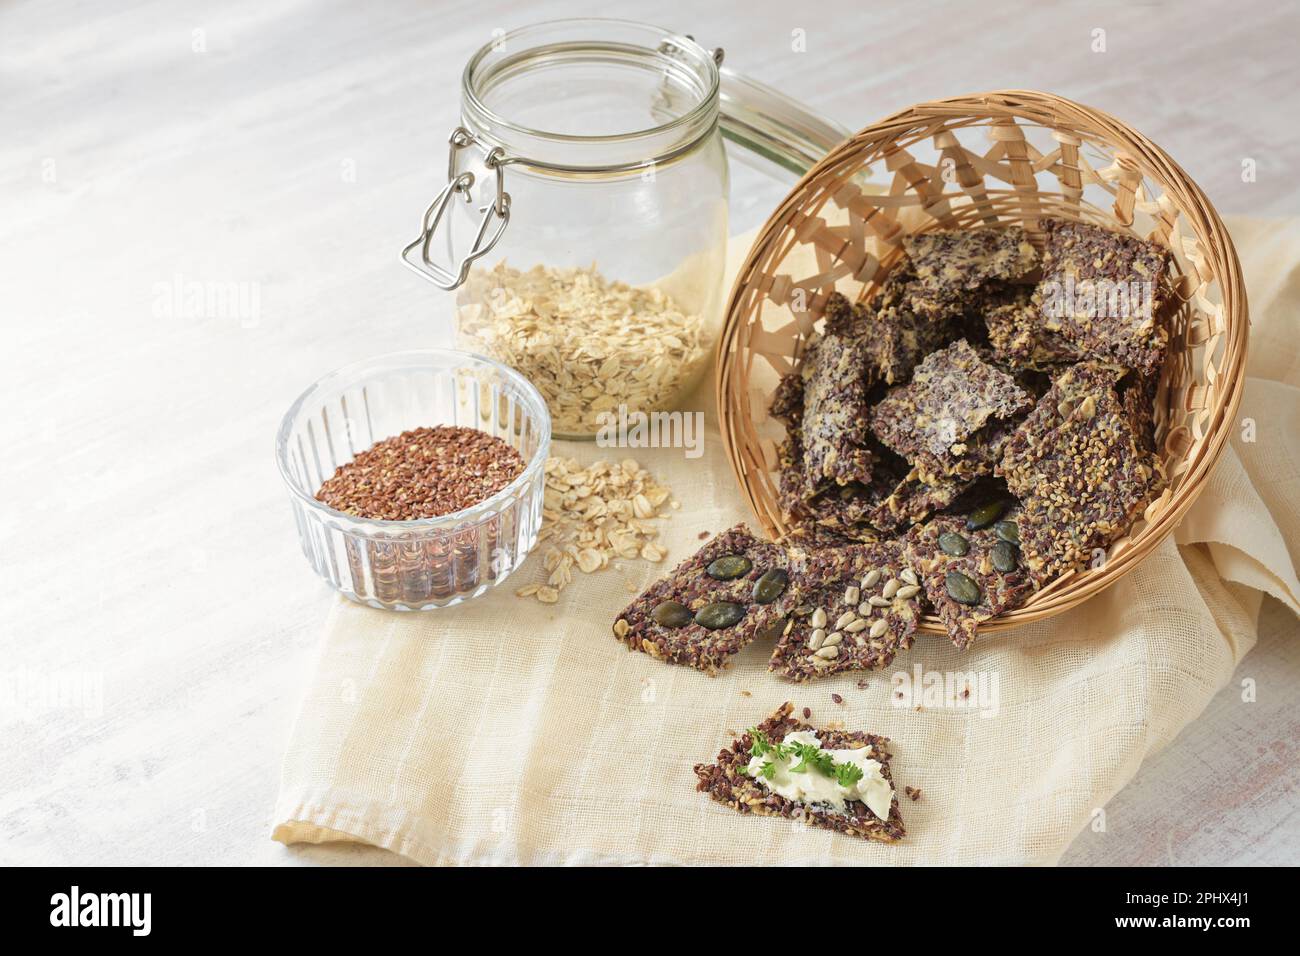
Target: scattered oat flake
x,y
593,514
913,792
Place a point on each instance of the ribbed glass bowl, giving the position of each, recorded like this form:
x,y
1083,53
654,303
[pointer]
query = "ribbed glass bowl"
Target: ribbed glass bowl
x,y
431,562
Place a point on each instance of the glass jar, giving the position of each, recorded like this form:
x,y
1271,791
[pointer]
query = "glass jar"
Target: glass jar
x,y
583,224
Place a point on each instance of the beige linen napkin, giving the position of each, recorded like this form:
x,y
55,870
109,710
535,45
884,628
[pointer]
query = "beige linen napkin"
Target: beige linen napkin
x,y
505,731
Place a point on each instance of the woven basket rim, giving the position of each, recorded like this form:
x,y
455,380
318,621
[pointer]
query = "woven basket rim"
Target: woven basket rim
x,y
1045,110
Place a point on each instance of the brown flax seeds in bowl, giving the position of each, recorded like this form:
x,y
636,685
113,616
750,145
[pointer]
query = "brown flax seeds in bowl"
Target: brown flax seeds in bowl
x,y
422,473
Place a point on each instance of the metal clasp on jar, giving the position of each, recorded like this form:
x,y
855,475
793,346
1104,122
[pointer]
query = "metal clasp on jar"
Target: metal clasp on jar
x,y
460,184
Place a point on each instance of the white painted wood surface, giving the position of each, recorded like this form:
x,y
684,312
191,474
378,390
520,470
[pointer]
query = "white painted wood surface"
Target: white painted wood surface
x,y
151,576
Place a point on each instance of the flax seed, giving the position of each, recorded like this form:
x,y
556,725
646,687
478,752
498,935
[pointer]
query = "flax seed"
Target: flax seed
x,y
422,473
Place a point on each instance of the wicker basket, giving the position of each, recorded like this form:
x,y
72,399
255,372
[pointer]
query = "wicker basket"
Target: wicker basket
x,y
981,161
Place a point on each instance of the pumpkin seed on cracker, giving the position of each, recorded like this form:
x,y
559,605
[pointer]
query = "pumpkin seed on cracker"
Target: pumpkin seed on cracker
x,y
954,543
985,514
1007,531
672,614
729,566
771,585
1005,557
720,614
705,610
970,587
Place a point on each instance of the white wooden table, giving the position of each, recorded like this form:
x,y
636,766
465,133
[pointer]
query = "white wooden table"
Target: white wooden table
x,y
158,621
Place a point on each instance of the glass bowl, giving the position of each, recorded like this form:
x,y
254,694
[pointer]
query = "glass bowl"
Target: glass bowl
x,y
430,562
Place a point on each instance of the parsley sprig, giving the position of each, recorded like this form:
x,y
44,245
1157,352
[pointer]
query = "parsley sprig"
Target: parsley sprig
x,y
762,746
813,756
809,757
847,774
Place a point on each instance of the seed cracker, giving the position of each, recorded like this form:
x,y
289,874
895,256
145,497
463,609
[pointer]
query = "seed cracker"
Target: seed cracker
x,y
725,783
1070,387
836,398
953,394
954,268
998,591
787,400
1139,399
1017,335
1116,308
914,498
900,336
810,536
838,509
895,498
840,583
1082,484
690,585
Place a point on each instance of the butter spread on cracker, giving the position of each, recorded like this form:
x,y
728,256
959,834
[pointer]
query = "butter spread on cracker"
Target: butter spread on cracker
x,y
799,769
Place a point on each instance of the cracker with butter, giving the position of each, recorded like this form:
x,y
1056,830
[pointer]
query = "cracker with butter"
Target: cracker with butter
x,y
833,779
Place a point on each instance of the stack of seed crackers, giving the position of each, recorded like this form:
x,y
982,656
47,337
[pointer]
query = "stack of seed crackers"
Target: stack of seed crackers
x,y
983,425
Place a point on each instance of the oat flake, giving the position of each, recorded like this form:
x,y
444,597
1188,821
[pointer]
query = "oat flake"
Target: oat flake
x,y
587,343
593,514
